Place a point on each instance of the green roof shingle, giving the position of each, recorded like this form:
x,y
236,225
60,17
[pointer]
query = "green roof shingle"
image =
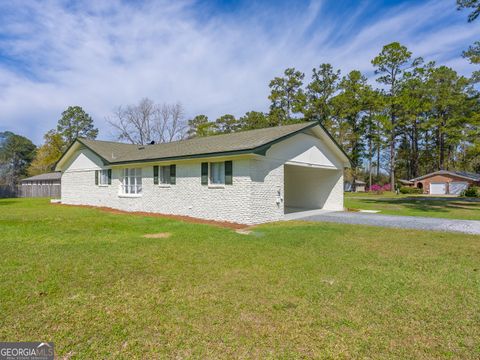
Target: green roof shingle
x,y
240,142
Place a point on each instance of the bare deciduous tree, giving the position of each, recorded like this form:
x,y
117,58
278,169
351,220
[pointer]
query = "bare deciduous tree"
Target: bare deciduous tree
x,y
147,121
171,124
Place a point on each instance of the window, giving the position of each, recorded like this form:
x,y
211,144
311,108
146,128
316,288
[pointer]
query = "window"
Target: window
x,y
217,173
168,174
165,175
103,177
132,181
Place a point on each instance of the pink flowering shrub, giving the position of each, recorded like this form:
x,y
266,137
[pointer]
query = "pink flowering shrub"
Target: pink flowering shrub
x,y
379,189
375,188
386,187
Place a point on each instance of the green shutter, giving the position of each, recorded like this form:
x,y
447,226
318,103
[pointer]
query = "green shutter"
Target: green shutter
x,y
204,173
173,174
96,177
228,173
109,176
155,175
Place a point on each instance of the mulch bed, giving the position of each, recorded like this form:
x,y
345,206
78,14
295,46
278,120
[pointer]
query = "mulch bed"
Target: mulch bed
x,y
223,224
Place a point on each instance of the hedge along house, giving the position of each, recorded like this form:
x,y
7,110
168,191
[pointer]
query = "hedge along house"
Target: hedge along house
x,y
246,177
446,182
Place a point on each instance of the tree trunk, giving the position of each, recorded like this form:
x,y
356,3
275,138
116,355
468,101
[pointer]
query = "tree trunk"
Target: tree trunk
x,y
441,140
378,151
414,167
392,162
392,150
370,161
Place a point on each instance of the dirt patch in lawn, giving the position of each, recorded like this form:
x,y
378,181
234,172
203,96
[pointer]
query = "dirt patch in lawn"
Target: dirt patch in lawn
x,y
163,235
224,224
244,231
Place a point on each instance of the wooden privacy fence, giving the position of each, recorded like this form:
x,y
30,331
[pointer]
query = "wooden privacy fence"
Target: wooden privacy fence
x,y
31,190
8,191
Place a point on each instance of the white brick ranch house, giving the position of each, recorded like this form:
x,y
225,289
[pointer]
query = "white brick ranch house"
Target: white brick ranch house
x,y
247,177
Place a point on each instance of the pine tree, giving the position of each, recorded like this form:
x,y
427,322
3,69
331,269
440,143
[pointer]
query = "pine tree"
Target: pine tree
x,y
74,123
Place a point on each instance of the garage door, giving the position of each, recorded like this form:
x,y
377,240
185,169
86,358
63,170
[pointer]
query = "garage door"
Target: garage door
x,y
456,187
438,188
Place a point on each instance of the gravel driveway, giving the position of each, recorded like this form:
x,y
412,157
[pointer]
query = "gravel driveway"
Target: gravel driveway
x,y
403,222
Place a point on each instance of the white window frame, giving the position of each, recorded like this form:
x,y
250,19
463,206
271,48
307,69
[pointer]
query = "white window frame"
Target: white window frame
x,y
216,182
103,177
131,182
162,172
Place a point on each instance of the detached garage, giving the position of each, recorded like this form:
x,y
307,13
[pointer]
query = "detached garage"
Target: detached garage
x,y
445,182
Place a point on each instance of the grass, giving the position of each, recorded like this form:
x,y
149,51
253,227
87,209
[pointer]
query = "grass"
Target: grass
x,y
90,282
415,205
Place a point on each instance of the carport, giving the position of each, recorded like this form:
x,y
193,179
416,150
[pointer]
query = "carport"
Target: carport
x,y
310,187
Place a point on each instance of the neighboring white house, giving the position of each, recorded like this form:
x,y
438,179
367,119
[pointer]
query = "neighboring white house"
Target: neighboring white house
x,y
247,177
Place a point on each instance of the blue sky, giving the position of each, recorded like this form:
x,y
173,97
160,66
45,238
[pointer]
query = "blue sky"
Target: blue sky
x,y
214,57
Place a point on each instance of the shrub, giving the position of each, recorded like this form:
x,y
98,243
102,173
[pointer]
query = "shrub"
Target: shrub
x,y
375,188
410,190
386,187
472,191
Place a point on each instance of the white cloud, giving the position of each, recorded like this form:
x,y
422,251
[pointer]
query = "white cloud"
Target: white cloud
x,y
112,53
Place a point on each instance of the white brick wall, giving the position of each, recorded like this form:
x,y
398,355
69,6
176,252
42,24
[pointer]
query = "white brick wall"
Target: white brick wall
x,y
256,196
266,190
187,197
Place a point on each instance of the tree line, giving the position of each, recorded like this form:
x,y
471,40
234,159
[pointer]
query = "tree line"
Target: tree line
x,y
19,157
419,118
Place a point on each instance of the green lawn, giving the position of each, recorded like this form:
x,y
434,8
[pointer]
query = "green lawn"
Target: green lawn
x,y
415,205
90,282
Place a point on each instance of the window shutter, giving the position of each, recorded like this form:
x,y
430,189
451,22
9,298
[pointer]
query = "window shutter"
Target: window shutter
x,y
109,176
155,175
173,174
228,172
204,173
96,177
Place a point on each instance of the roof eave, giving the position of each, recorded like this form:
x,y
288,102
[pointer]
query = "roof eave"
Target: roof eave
x,y
257,150
78,140
336,143
444,172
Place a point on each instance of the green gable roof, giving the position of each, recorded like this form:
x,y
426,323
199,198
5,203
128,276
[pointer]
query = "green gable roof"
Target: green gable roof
x,y
252,141
245,141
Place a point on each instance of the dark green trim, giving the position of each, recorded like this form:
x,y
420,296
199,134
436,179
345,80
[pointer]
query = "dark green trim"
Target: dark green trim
x,y
109,172
155,175
184,157
335,142
96,177
228,172
173,174
204,172
64,153
104,161
259,150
